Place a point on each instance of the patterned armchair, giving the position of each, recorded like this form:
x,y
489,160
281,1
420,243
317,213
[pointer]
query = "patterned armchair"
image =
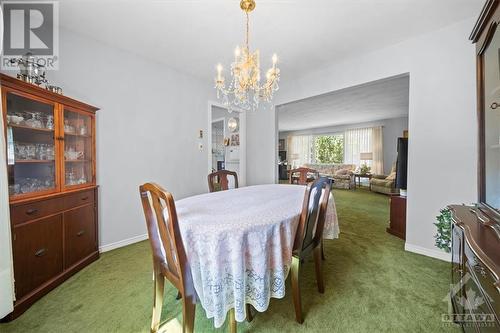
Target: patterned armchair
x,y
342,174
385,184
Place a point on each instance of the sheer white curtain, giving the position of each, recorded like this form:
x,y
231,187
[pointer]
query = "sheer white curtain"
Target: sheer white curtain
x,y
378,151
357,141
365,140
300,149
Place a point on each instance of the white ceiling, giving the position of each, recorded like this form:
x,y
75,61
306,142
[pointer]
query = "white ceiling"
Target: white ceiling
x,y
194,35
372,101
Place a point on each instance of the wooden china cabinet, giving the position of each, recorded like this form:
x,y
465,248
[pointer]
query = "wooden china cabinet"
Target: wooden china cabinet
x,y
52,186
475,271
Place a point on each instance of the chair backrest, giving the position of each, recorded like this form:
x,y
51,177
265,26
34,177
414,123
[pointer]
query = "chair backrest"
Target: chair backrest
x,y
302,175
220,178
169,255
312,218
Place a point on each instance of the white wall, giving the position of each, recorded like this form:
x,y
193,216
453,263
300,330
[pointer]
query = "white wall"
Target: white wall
x,y
442,119
147,129
6,268
392,129
262,147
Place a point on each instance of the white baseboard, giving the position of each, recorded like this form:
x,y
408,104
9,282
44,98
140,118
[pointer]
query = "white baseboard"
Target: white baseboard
x,y
122,243
438,254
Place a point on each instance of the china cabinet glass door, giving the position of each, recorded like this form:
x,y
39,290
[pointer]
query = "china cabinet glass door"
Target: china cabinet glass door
x,y
78,148
31,146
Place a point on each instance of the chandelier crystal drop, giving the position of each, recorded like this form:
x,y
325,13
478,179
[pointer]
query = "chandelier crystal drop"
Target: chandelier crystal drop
x,y
245,90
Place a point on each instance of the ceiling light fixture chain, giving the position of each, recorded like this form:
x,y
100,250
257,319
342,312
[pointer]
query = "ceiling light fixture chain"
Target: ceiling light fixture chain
x,y
245,90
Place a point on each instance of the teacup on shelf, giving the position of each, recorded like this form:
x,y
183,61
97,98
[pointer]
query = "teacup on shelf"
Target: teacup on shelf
x,y
13,119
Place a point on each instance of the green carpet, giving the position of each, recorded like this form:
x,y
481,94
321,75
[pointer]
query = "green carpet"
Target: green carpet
x,y
372,285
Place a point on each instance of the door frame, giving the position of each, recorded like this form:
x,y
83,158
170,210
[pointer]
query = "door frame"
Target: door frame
x,y
242,176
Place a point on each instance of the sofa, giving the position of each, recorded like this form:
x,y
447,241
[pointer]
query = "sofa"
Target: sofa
x,y
385,184
342,174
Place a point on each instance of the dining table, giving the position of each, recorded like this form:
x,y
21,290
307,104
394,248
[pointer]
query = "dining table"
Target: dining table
x,y
239,244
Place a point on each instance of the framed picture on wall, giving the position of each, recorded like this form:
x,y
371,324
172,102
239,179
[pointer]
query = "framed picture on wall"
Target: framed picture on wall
x,y
281,144
235,139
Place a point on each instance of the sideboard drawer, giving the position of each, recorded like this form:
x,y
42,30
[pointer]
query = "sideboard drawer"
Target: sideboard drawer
x,y
30,211
38,254
78,199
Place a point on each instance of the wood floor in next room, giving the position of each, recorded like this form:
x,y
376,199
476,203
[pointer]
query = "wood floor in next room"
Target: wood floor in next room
x,y
372,285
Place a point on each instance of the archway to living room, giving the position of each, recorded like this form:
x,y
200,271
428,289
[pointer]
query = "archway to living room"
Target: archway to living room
x,y
352,136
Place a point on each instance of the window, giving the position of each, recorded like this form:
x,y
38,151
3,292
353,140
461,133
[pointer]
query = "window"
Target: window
x,y
329,148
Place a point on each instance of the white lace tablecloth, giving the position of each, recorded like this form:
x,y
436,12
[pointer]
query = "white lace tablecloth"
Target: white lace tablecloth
x,y
239,244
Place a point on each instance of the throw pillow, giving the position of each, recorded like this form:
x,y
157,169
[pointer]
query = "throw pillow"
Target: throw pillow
x,y
392,176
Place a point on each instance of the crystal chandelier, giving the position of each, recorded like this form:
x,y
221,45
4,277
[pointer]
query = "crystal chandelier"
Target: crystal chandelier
x,y
245,90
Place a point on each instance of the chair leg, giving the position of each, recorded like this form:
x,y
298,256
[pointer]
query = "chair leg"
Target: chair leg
x,y
232,322
188,312
249,312
159,282
297,302
319,269
322,250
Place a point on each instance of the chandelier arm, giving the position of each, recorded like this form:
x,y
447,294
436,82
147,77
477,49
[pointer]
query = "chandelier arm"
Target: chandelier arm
x,y
247,31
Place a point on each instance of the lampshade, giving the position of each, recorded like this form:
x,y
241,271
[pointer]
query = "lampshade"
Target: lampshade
x,y
366,156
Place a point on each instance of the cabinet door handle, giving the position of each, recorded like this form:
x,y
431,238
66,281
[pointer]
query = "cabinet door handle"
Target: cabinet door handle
x,y
85,198
31,211
80,233
40,252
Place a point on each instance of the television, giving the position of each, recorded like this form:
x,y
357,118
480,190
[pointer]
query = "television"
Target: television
x,y
402,164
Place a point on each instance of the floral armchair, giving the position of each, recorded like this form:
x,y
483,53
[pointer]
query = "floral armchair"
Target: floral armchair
x,y
385,184
342,174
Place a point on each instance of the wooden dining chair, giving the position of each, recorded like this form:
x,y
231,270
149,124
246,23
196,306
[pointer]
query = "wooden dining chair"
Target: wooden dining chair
x,y
169,256
305,176
309,238
219,179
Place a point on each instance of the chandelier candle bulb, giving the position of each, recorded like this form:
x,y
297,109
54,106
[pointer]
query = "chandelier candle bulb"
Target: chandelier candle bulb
x,y
219,72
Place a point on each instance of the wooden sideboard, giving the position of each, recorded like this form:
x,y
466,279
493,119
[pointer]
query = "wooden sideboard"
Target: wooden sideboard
x,y
475,234
397,223
475,274
52,186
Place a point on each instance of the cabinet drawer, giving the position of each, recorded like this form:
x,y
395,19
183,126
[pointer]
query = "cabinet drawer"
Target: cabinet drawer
x,y
78,199
38,254
34,210
79,234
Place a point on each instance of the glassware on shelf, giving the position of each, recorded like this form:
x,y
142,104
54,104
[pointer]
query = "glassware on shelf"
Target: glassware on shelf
x,y
50,152
14,189
68,128
28,185
71,154
33,151
49,124
70,178
15,119
35,120
83,130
